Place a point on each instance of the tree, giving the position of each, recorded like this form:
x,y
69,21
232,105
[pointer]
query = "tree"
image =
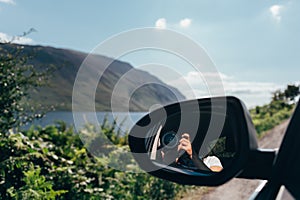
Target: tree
x,y
291,92
278,96
17,79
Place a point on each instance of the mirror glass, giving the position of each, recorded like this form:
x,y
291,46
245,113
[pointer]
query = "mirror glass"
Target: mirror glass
x,y
171,142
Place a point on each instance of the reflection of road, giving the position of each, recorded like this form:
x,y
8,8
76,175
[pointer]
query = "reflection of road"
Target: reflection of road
x,y
284,194
238,189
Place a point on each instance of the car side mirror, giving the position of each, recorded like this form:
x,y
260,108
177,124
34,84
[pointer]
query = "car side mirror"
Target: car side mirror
x,y
199,142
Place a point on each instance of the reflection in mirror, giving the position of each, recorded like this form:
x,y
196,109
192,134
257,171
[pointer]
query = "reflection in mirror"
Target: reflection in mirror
x,y
167,144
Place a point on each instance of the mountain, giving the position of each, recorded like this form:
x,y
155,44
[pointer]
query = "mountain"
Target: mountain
x,y
67,62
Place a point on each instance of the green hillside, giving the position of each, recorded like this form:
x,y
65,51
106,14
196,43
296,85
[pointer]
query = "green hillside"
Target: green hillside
x,y
66,63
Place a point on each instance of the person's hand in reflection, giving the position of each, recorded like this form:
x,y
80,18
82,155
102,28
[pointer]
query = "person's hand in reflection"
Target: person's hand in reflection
x,y
185,144
210,162
180,154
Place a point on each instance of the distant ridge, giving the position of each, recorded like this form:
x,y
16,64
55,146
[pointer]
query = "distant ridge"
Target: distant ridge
x,y
67,63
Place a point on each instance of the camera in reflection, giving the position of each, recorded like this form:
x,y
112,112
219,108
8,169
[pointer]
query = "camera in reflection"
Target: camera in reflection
x,y
170,140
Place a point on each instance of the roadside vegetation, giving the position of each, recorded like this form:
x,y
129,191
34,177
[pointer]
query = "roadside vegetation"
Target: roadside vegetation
x,y
53,163
279,109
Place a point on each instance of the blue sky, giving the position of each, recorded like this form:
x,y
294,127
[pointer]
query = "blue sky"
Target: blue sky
x,y
254,44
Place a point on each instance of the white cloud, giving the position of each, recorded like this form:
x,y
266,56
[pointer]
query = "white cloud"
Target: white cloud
x,y
276,11
195,85
161,23
8,2
4,37
185,23
17,40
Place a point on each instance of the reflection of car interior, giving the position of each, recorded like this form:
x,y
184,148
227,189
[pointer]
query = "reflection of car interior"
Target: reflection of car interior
x,y
156,143
221,145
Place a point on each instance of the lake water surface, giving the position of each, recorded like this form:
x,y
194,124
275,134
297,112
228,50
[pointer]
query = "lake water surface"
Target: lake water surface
x,y
124,120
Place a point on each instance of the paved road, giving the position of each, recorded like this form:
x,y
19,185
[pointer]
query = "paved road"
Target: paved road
x,y
239,189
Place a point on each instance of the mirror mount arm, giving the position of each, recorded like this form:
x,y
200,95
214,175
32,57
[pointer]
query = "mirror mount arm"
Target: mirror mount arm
x,y
259,164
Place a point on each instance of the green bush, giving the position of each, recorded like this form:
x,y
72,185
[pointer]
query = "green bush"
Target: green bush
x,y
36,187
268,116
52,162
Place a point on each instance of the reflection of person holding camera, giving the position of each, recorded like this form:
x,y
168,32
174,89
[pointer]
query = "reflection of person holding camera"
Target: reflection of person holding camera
x,y
211,162
189,158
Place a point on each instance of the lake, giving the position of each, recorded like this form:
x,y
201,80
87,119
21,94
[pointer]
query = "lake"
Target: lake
x,y
124,120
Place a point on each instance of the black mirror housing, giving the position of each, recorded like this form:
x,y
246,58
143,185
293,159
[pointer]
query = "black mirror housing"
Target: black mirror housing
x,y
206,120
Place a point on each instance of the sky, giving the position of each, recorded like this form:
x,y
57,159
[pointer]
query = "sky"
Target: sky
x,y
255,45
